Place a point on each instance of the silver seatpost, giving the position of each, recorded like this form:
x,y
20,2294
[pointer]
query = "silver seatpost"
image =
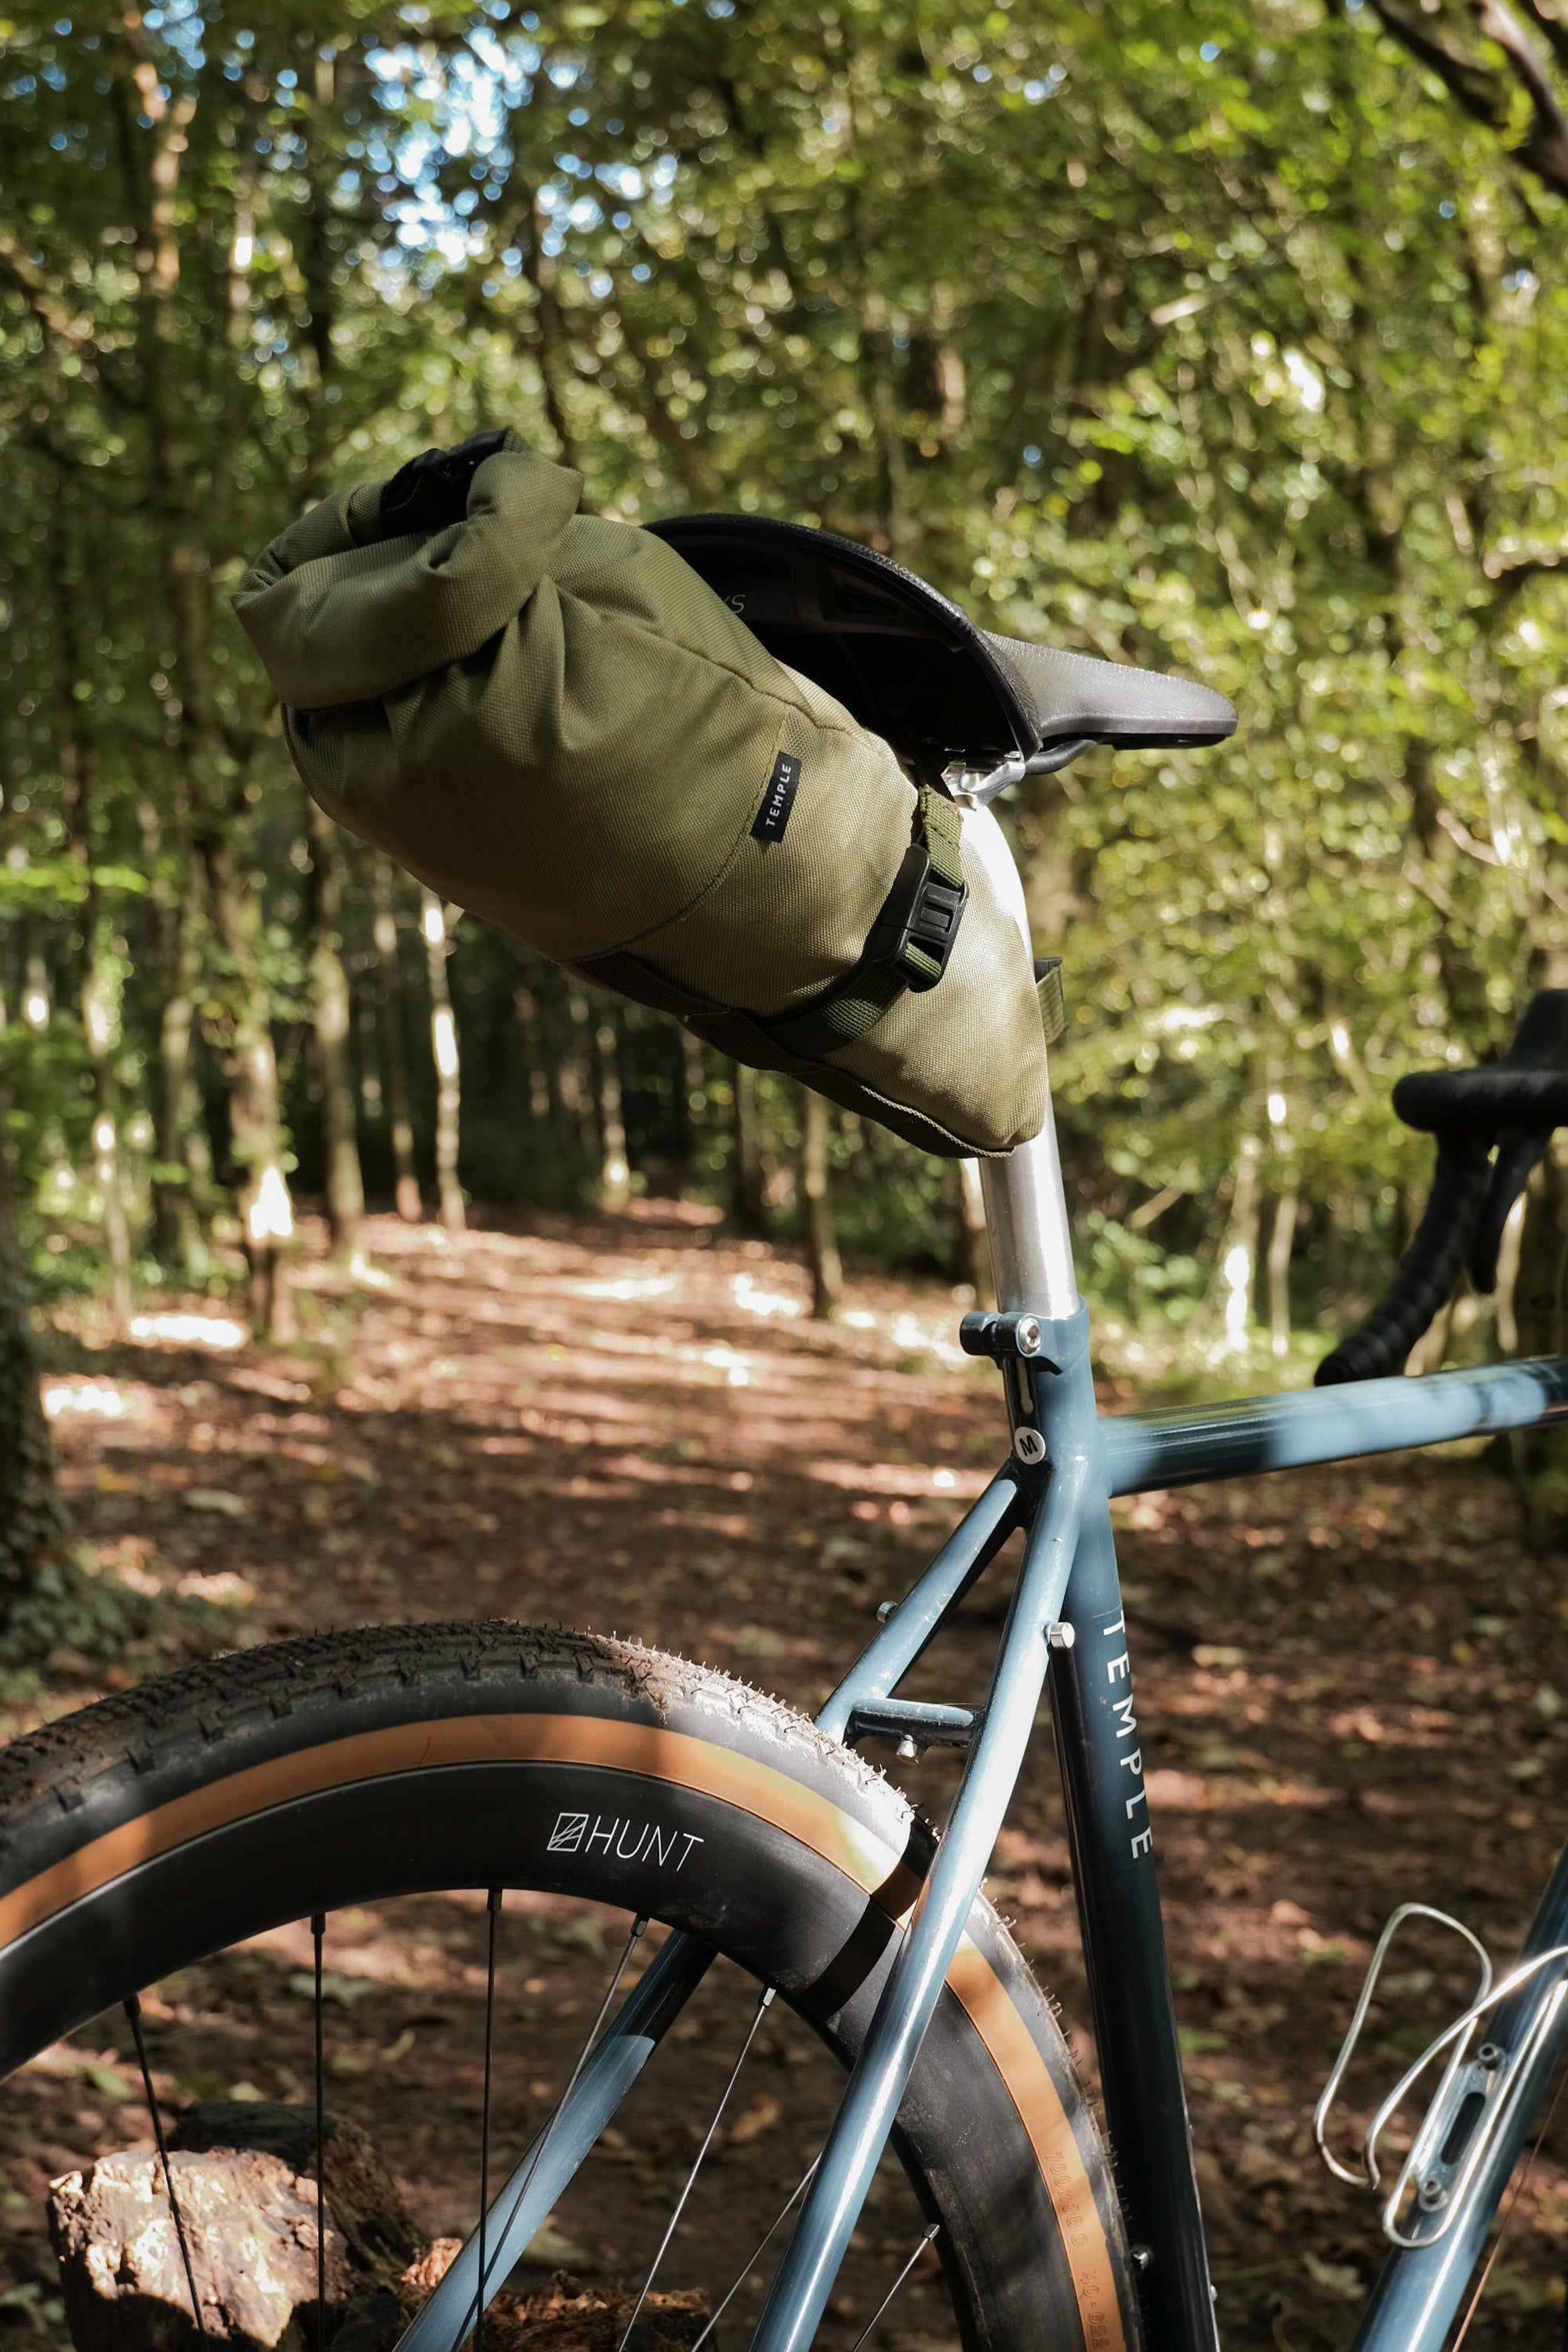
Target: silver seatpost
x,y
1026,1200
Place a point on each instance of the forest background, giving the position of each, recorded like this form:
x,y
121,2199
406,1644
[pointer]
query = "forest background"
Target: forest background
x,y
1224,335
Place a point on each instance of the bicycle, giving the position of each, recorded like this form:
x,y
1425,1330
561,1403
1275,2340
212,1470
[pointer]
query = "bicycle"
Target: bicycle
x,y
286,1784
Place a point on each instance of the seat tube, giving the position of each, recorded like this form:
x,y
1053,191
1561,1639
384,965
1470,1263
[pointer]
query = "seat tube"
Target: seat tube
x,y
1095,1721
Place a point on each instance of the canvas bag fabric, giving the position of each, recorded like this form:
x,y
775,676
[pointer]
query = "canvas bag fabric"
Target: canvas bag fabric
x,y
552,721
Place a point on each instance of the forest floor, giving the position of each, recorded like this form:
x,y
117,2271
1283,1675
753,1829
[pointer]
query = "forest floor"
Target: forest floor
x,y
1348,1690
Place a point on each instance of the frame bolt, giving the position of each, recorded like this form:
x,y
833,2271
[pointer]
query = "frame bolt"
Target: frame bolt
x,y
884,1611
1061,1635
906,1750
1028,1445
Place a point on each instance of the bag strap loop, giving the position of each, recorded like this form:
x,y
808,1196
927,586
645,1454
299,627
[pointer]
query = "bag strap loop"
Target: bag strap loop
x,y
909,944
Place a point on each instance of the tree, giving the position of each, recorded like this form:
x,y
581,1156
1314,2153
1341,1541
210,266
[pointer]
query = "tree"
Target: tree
x,y
1228,340
822,1242
32,1516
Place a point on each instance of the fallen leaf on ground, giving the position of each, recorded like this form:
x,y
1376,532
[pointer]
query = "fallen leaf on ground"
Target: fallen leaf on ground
x,y
760,2117
217,1500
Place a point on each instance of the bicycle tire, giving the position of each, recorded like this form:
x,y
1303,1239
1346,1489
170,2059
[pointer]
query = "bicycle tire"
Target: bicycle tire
x,y
172,1820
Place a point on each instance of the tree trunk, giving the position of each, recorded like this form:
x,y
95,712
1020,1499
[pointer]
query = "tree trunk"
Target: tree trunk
x,y
410,1207
1510,1253
329,983
1236,1267
1280,1242
174,1236
822,1246
183,1161
972,1255
615,1179
1538,1287
32,1516
98,993
574,1078
694,1094
111,1192
444,1047
745,1158
526,1005
266,1209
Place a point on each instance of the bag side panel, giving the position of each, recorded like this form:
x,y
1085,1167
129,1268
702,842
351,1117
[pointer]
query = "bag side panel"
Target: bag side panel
x,y
784,917
971,1051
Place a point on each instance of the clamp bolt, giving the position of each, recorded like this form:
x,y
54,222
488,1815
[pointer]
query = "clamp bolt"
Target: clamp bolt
x,y
1061,1635
1015,1333
1028,1445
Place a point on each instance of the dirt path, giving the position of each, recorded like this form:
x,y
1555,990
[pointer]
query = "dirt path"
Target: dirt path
x,y
1349,1685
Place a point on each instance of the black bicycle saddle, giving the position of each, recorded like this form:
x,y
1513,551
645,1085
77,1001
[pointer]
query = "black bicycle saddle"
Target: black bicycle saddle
x,y
915,669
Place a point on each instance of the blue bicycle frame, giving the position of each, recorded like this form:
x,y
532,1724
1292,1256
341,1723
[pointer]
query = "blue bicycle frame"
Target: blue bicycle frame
x,y
1065,1628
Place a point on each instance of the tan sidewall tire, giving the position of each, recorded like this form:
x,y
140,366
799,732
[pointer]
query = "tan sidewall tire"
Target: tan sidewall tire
x,y
171,1821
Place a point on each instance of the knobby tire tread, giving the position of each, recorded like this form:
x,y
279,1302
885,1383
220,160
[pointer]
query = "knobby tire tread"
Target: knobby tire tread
x,y
78,1783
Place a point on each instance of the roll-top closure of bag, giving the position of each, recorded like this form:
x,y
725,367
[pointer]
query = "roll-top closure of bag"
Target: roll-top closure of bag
x,y
555,721
351,623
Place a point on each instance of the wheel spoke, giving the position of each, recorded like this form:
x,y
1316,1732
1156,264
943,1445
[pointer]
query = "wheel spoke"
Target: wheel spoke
x,y
133,2011
318,1937
897,2283
762,2009
743,2274
481,2295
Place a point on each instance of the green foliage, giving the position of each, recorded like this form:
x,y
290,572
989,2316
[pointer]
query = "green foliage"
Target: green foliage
x,y
72,1618
1133,1277
1220,339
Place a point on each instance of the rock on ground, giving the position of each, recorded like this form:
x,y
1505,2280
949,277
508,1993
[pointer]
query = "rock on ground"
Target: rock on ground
x,y
244,2179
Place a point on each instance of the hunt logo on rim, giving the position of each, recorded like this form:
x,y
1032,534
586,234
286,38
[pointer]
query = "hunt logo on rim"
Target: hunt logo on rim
x,y
626,1840
782,785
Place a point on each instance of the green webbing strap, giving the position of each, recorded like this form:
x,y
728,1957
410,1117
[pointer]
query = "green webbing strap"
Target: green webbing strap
x,y
943,829
847,1008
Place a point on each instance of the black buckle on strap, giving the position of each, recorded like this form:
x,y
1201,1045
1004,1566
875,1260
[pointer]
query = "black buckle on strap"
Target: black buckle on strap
x,y
918,921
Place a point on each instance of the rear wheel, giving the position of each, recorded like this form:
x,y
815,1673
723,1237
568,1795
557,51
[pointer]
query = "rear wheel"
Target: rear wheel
x,y
326,1776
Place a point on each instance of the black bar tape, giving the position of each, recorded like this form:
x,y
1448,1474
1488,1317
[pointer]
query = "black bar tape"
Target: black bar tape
x,y
1497,1096
1427,1272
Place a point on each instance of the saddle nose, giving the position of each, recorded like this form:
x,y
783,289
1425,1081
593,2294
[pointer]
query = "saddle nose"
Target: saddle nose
x,y
1072,694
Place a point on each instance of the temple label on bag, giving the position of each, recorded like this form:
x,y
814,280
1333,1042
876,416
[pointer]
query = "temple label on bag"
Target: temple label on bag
x,y
773,814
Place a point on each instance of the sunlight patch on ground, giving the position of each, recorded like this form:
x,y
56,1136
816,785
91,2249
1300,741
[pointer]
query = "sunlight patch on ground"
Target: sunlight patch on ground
x,y
190,1330
909,1332
899,1478
627,1286
744,1292
1194,1792
98,1397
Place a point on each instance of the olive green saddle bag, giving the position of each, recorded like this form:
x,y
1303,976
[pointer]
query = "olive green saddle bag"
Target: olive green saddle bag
x,y
670,760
